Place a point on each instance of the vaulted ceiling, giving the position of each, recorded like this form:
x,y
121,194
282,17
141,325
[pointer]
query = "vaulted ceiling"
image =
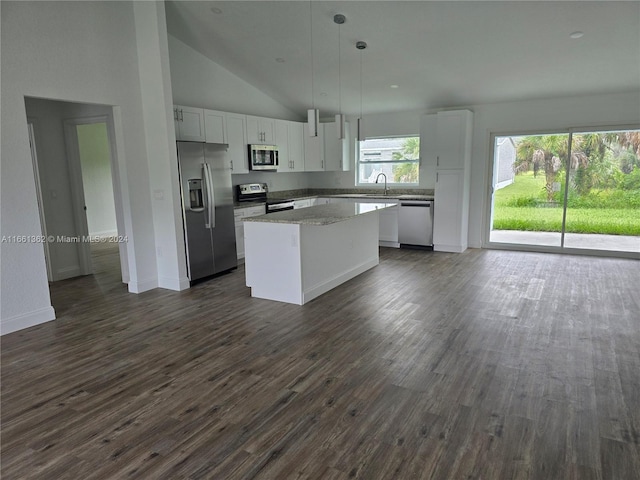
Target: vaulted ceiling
x,y
438,54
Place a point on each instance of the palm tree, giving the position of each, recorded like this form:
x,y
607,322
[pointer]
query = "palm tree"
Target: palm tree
x,y
544,151
407,172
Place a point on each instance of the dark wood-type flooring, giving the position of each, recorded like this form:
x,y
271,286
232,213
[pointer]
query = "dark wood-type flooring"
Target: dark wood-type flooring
x,y
481,365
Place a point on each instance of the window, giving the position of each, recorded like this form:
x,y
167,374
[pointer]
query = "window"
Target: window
x,y
398,158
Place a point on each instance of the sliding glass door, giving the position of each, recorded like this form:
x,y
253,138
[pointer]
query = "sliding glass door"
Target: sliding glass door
x,y
577,190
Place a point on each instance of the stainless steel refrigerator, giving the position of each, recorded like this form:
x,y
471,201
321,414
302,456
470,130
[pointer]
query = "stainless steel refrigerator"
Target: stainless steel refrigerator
x,y
207,206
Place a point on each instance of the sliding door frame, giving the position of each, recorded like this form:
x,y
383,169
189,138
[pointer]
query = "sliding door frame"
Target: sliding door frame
x,y
488,211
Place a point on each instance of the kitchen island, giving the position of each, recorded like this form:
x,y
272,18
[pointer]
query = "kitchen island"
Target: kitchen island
x,y
295,256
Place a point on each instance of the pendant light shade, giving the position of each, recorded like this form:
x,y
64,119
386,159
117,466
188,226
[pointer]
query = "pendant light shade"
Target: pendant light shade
x,y
313,119
340,125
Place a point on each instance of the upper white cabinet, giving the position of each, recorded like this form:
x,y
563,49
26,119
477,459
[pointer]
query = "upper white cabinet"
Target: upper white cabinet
x,y
453,138
288,139
453,167
236,138
189,123
260,130
282,142
314,150
296,146
214,128
336,151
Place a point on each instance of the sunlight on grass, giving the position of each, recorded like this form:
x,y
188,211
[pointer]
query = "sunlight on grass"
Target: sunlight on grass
x,y
522,206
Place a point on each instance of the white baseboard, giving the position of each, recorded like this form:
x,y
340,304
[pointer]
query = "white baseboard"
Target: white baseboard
x,y
143,286
178,284
439,247
26,320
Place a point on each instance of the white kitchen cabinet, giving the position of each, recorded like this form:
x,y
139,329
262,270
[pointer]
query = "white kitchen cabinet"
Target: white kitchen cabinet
x,y
288,139
236,138
296,146
453,167
214,131
453,139
451,211
189,123
239,214
337,152
260,130
282,142
314,150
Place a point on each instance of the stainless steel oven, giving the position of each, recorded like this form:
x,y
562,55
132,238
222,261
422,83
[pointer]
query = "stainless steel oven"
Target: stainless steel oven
x,y
279,205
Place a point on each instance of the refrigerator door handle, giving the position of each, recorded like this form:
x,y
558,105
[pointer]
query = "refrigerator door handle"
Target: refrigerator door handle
x,y
211,204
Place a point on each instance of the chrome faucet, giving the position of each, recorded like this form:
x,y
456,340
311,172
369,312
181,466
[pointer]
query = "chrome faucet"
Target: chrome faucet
x,y
385,181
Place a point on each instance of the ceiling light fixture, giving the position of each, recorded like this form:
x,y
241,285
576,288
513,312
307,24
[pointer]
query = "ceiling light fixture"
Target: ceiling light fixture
x,y
360,46
339,19
313,114
395,86
577,34
216,10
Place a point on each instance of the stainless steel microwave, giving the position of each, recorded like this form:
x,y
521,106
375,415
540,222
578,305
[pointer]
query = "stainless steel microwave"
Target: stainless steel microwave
x,y
263,157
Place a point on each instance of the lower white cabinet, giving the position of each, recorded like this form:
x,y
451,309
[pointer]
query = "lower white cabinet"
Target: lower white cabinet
x,y
239,214
451,211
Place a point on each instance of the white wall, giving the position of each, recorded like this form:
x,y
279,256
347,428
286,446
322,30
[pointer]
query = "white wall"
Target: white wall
x,y
82,52
197,81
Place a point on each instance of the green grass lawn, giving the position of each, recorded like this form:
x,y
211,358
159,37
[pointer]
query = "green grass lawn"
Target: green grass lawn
x,y
526,190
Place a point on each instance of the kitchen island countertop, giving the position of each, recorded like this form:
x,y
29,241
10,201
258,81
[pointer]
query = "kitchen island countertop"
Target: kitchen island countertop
x,y
322,214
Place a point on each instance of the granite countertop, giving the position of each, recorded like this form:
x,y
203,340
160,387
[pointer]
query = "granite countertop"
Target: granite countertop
x,y
321,214
382,196
301,195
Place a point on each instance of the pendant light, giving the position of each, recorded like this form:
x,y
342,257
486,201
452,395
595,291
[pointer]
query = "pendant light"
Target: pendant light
x,y
360,46
313,114
339,19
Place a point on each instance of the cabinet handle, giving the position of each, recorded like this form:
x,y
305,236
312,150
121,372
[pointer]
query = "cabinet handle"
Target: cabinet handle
x,y
436,177
231,163
438,161
181,115
175,114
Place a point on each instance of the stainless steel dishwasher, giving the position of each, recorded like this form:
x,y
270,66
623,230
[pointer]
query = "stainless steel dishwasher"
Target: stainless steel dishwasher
x,y
415,223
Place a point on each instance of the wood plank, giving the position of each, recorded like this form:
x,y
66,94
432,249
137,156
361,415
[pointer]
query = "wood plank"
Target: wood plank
x,y
486,364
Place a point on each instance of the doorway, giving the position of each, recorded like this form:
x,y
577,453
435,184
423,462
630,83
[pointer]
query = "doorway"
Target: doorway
x,y
575,191
76,176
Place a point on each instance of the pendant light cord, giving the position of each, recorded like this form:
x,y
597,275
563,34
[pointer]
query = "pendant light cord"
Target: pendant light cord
x,y
313,100
339,74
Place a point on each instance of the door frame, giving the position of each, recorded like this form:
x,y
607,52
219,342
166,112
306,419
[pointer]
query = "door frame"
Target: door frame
x,y
489,190
77,189
31,125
